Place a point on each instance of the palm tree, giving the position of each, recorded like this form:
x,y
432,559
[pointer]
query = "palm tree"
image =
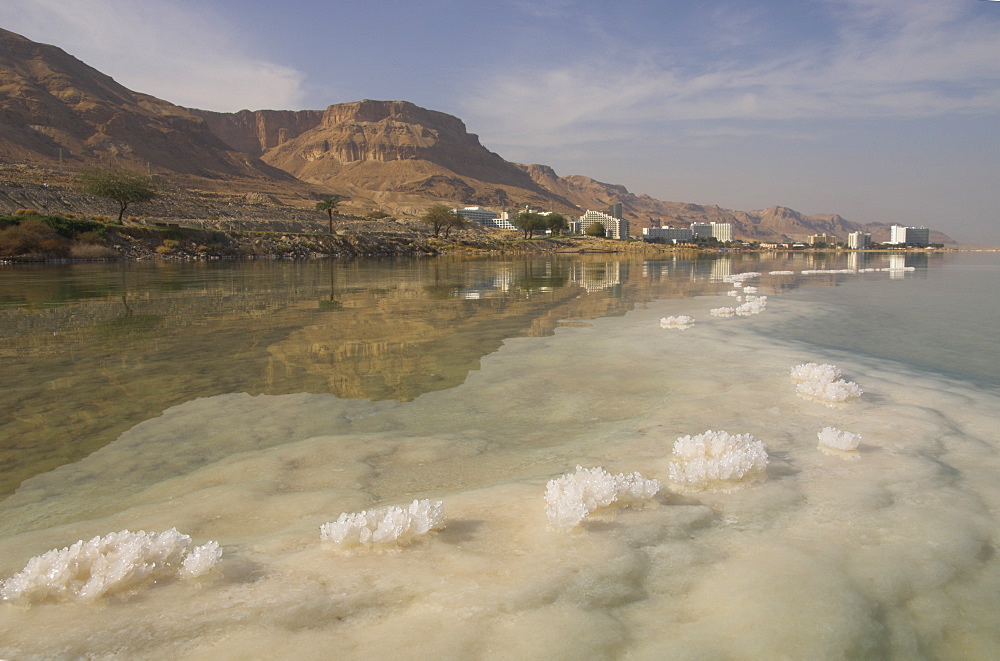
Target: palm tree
x,y
329,205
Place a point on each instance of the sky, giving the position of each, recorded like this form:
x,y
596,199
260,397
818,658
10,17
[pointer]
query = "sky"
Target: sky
x,y
879,110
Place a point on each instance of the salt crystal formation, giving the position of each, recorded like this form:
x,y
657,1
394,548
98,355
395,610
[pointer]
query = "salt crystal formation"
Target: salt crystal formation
x,y
722,312
716,460
814,372
820,271
680,322
571,498
749,290
388,526
822,383
753,305
734,293
834,441
781,272
740,277
114,563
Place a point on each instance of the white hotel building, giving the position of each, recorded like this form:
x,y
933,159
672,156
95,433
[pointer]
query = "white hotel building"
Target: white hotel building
x,y
721,231
901,235
614,228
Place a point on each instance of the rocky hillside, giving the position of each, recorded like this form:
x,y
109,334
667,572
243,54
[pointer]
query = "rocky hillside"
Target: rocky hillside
x,y
393,153
54,108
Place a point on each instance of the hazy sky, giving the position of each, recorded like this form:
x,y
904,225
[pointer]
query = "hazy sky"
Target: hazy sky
x,y
879,110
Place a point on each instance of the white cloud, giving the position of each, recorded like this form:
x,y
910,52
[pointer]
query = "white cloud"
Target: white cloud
x,y
187,56
888,58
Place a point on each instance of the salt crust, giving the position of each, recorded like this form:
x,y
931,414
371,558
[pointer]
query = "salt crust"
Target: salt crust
x,y
781,272
571,498
822,383
722,312
380,528
740,277
680,322
105,565
834,441
716,460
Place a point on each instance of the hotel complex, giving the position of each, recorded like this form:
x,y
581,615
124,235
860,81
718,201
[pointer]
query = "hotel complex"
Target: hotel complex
x,y
859,240
901,235
615,227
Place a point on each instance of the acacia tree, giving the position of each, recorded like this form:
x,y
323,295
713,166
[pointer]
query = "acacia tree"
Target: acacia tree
x,y
529,222
329,205
457,223
441,217
123,186
596,229
557,223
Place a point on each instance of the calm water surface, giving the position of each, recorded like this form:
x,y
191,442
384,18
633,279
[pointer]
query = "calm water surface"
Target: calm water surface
x,y
251,402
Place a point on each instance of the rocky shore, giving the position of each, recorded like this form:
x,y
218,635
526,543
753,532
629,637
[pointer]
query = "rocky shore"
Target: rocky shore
x,y
186,224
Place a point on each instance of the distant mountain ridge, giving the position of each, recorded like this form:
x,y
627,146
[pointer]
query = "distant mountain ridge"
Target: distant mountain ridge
x,y
391,155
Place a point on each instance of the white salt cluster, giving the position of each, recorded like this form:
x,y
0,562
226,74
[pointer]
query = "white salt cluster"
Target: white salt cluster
x,y
814,372
114,563
819,271
829,393
733,292
752,305
822,383
385,526
781,272
722,312
834,441
740,277
680,322
571,498
200,560
716,460
749,290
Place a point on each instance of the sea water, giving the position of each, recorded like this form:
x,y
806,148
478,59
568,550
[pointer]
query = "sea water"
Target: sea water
x,y
317,412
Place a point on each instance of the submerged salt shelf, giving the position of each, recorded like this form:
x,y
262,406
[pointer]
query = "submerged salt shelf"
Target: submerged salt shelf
x,y
889,556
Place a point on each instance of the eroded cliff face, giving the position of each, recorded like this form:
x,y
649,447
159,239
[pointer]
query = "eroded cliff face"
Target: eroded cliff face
x,y
256,131
394,151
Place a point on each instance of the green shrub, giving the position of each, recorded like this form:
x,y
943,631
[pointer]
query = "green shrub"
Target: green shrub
x,y
31,237
72,228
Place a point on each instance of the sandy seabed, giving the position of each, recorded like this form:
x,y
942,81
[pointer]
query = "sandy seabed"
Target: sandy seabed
x,y
889,555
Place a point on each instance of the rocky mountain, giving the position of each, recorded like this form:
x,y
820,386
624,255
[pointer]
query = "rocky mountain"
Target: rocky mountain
x,y
54,108
389,155
391,152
